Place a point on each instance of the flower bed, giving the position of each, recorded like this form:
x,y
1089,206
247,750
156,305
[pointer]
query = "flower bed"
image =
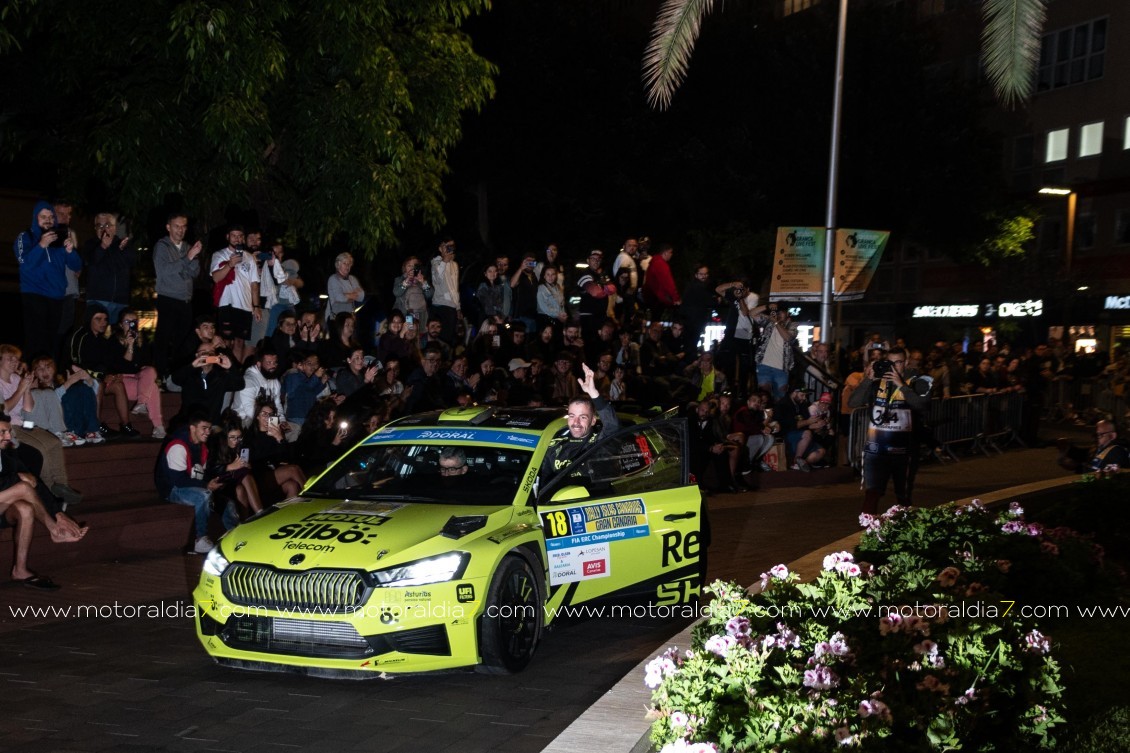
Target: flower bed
x,y
912,643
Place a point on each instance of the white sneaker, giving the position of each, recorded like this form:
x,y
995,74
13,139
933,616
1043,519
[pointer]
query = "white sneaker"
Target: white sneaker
x,y
203,545
76,440
66,441
95,438
141,409
158,432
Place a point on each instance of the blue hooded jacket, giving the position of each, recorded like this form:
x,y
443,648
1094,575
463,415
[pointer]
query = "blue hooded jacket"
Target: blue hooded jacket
x,y
43,270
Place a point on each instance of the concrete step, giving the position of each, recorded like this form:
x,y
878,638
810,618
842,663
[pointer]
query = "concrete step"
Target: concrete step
x,y
170,405
142,528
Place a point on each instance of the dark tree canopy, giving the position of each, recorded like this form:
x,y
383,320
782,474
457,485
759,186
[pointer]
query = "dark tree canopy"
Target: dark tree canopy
x,y
333,115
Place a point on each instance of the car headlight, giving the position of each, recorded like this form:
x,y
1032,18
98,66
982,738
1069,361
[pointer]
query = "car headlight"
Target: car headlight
x,y
215,563
430,570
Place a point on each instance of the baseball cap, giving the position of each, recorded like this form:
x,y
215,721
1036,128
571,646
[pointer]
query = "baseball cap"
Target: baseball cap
x,y
517,363
826,397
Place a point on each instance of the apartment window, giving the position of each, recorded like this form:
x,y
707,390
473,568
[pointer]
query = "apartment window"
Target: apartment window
x,y
1091,139
1122,228
1056,148
1071,56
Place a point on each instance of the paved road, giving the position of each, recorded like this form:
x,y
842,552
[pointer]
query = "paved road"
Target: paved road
x,y
143,683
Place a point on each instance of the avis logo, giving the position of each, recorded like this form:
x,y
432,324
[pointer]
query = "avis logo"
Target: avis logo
x,y
594,567
325,532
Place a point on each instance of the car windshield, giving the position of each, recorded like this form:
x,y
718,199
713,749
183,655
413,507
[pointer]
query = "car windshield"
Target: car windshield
x,y
432,473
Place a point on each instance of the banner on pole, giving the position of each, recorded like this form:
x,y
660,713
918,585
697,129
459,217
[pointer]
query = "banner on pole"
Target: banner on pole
x,y
858,253
798,264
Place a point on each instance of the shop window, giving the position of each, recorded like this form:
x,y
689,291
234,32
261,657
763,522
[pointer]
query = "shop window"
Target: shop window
x,y
1091,139
1055,149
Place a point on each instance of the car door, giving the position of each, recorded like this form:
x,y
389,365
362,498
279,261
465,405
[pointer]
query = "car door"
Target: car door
x,y
624,519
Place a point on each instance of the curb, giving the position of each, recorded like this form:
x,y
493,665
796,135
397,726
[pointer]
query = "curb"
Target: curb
x,y
617,721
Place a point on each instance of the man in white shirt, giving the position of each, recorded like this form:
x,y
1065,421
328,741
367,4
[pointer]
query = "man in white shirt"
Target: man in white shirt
x,y
235,274
262,379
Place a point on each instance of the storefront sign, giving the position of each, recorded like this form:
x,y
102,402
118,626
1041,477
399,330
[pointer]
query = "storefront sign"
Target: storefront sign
x,y
1016,310
1117,303
947,312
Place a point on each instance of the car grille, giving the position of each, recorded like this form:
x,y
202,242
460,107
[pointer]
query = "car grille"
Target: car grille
x,y
336,640
326,590
330,640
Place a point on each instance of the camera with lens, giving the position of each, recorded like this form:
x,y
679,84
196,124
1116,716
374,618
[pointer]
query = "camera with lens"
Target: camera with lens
x,y
415,270
882,368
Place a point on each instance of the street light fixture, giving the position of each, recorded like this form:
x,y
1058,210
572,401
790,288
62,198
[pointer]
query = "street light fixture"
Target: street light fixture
x,y
1069,242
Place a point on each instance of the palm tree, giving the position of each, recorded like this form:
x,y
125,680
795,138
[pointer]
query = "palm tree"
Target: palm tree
x,y
1010,46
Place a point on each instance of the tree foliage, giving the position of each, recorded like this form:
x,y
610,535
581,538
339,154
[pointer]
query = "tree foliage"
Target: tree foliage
x,y
334,115
1011,46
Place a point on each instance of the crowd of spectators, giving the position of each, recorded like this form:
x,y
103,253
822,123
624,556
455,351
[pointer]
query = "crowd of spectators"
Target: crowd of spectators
x,y
283,387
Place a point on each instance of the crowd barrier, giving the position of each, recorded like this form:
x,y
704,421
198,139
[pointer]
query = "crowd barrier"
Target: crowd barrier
x,y
990,423
984,424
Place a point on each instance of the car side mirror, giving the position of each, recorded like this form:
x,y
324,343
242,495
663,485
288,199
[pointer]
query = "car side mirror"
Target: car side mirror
x,y
568,494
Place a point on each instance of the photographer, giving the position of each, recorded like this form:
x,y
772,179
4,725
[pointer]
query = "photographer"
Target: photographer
x,y
412,291
44,252
775,355
890,450
735,353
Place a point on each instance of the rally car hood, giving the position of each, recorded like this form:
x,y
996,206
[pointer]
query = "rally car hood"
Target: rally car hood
x,y
332,533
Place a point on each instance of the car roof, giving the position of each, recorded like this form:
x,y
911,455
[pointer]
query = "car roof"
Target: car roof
x,y
485,416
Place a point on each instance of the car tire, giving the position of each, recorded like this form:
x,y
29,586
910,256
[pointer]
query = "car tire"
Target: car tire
x,y
509,633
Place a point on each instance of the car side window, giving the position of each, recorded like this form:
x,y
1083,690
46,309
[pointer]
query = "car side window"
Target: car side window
x,y
646,459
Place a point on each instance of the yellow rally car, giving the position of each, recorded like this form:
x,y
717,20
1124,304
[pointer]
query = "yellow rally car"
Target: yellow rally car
x,y
434,544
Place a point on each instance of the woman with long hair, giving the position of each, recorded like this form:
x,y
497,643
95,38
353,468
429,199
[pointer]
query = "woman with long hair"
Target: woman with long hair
x,y
391,343
551,299
130,377
277,477
322,438
333,351
229,461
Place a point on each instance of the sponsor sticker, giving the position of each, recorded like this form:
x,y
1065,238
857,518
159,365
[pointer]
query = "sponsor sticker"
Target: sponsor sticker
x,y
590,524
462,434
579,563
465,592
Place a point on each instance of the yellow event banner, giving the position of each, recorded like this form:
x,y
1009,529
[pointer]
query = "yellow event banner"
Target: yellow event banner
x,y
798,262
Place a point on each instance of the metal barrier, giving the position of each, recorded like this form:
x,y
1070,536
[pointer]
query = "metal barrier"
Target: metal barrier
x,y
1085,401
974,423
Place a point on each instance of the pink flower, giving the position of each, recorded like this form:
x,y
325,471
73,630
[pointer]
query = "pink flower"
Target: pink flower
x,y
869,522
1037,643
738,627
719,645
875,708
1015,510
1035,529
833,561
1014,526
780,572
844,736
820,678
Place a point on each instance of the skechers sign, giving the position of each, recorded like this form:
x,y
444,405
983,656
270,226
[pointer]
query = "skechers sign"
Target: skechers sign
x,y
946,312
1007,310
